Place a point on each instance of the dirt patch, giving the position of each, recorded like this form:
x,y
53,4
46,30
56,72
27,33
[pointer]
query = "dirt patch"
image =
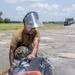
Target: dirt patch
x,y
67,55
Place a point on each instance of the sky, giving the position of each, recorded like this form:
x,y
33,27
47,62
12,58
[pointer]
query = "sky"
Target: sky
x,y
48,10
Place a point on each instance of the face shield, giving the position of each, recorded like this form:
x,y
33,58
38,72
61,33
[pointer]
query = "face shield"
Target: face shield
x,y
32,20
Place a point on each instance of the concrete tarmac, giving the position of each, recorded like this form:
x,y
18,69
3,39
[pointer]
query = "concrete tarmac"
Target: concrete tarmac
x,y
57,44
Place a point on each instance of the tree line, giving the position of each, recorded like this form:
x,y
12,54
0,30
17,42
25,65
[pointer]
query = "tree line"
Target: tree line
x,y
6,20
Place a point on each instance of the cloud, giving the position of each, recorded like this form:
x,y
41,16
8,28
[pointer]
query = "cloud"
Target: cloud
x,y
21,11
69,11
46,6
40,5
20,8
45,9
11,1
66,9
55,6
0,9
15,1
31,0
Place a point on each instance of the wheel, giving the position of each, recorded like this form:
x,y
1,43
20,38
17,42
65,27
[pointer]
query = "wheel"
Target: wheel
x,y
48,72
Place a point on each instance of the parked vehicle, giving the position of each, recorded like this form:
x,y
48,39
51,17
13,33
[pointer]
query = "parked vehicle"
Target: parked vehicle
x,y
68,21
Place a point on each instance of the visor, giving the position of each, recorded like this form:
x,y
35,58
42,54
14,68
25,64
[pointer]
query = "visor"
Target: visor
x,y
32,20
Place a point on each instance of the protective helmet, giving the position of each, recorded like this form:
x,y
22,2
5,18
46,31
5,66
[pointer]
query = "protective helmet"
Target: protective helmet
x,y
32,20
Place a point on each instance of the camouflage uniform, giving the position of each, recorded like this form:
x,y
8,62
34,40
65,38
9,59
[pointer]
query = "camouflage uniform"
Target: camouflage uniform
x,y
21,52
